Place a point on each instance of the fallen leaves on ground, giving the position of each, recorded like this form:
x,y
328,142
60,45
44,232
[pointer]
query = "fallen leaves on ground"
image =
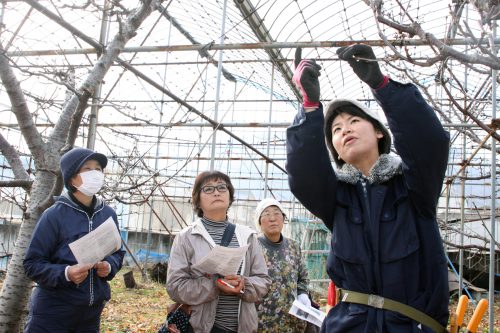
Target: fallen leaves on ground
x,y
141,309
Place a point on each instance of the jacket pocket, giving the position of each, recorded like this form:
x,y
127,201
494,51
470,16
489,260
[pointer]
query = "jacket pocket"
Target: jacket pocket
x,y
398,227
348,235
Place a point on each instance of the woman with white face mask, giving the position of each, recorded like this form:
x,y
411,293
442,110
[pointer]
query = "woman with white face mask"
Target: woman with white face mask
x,y
69,297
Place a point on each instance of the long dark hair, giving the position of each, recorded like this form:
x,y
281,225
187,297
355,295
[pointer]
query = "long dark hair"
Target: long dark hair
x,y
201,179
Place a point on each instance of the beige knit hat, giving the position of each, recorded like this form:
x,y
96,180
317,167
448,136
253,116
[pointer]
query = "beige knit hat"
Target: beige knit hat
x,y
261,206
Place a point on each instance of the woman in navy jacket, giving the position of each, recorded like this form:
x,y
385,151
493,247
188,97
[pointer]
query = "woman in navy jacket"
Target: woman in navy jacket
x,y
380,207
69,297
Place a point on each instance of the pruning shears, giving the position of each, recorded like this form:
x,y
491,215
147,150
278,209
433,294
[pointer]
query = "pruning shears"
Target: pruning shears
x,y
456,319
477,316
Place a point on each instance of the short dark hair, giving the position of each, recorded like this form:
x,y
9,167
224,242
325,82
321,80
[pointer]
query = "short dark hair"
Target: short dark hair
x,y
201,179
384,144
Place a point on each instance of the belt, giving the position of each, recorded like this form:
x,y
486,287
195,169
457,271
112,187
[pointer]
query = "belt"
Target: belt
x,y
391,305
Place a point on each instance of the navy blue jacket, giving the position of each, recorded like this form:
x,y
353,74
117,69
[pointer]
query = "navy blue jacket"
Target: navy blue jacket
x,y
48,254
385,238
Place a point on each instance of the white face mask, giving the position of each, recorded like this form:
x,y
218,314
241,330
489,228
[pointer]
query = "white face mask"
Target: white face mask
x,y
92,182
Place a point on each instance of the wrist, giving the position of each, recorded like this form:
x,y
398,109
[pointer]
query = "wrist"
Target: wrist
x,y
309,104
382,84
66,274
109,267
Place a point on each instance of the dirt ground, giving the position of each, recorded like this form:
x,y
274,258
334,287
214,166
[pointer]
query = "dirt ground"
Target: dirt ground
x,y
141,309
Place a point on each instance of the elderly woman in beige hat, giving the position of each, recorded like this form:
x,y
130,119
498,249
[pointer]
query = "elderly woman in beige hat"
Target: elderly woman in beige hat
x,y
286,268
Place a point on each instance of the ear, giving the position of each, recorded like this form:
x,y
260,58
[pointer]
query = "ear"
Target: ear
x,y
379,134
74,179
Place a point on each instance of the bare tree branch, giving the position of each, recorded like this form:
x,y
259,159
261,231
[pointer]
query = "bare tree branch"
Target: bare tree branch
x,y
20,108
13,158
444,50
26,184
468,247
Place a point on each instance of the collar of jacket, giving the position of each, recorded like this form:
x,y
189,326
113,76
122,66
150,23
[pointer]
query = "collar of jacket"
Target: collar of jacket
x,y
386,167
242,232
64,198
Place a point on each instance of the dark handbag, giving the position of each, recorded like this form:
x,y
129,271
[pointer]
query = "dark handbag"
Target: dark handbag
x,y
177,319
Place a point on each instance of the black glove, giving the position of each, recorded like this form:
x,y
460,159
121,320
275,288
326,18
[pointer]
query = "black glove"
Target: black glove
x,y
306,79
367,70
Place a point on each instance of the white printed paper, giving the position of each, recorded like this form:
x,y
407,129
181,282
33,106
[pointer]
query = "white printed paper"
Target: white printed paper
x,y
307,313
222,260
97,244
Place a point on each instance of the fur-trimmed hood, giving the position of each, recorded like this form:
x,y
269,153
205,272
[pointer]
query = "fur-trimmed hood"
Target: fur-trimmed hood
x,y
386,167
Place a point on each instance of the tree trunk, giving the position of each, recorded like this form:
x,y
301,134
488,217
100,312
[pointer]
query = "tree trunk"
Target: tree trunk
x,y
17,287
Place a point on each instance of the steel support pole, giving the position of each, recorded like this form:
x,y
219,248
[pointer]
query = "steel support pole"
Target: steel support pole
x,y
268,148
94,110
492,272
245,46
217,91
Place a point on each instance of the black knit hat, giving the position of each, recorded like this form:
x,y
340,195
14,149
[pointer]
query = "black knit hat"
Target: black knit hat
x,y
338,106
73,160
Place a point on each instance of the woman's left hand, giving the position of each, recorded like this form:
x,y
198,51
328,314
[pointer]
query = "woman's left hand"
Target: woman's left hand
x,y
231,284
103,268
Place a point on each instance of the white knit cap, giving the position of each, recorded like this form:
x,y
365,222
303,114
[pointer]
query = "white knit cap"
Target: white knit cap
x,y
261,206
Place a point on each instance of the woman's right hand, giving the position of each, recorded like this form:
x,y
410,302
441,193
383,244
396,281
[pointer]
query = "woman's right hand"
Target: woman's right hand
x,y
231,284
77,273
306,79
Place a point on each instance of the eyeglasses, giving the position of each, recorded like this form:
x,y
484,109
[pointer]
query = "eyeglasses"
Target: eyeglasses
x,y
274,214
209,189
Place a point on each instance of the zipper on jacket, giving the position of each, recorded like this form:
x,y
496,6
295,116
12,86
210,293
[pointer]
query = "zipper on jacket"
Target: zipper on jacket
x,y
91,274
91,301
91,225
368,232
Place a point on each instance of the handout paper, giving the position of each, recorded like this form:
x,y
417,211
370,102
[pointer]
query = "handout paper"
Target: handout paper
x,y
308,313
222,260
97,244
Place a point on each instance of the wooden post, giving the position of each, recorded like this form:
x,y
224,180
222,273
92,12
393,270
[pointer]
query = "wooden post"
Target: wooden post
x,y
129,280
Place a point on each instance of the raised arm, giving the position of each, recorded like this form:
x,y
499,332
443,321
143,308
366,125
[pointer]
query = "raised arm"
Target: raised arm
x,y
419,137
310,173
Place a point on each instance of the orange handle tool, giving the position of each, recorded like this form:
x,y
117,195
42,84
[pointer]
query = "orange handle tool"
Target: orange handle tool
x,y
453,323
461,307
477,315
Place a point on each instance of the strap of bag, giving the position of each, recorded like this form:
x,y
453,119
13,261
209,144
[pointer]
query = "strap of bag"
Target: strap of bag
x,y
228,234
391,305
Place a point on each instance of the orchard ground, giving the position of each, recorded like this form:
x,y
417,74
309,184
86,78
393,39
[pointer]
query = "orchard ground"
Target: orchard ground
x,y
144,309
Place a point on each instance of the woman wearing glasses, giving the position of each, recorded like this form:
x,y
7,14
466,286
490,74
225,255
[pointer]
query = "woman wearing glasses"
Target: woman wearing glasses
x,y
218,304
286,269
